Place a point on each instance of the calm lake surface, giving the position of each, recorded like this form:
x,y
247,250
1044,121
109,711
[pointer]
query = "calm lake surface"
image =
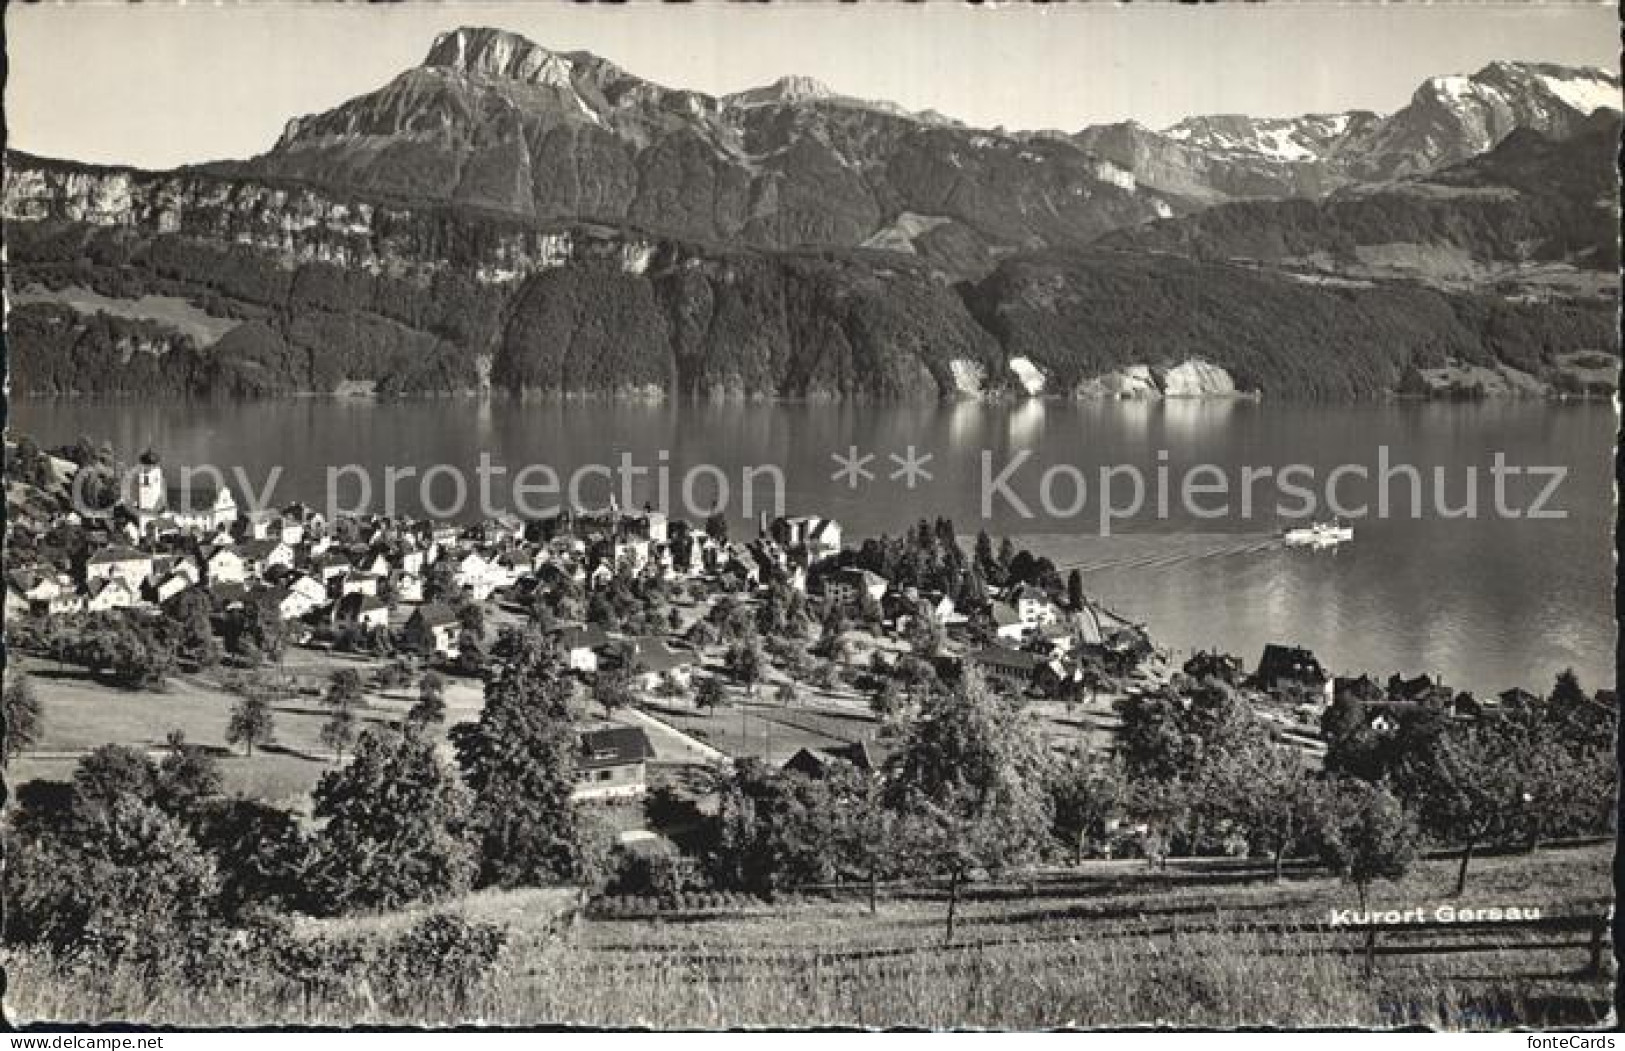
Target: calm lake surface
x,y
1485,601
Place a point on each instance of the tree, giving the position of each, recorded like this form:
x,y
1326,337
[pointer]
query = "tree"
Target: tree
x,y
710,695
520,761
252,722
1169,735
985,564
261,854
975,771
125,652
1265,790
345,690
872,838
1074,591
99,866
773,829
24,718
1567,689
613,690
746,663
112,772
1362,832
395,828
339,731
1085,791
1474,787
256,629
786,695
471,618
430,708
191,614
888,702
926,637
187,776
124,880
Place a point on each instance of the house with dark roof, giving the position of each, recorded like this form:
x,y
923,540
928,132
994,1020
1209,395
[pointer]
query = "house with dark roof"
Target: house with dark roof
x,y
363,611
433,628
1006,666
1518,699
1288,666
613,763
817,763
654,662
581,647
848,587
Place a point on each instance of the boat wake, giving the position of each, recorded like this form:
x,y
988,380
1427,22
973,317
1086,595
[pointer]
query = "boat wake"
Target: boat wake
x,y
1159,551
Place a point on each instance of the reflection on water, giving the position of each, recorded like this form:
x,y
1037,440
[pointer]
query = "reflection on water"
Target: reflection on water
x,y
1485,602
1026,426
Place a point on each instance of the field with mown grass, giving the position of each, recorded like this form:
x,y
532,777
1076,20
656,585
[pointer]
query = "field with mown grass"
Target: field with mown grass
x,y
82,714
1110,943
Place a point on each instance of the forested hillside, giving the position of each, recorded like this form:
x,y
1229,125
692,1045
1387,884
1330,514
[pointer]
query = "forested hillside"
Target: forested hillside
x,y
1079,315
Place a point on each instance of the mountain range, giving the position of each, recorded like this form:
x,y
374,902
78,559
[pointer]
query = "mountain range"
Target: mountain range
x,y
462,226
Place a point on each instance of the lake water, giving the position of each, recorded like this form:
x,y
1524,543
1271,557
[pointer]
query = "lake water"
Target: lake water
x,y
1486,601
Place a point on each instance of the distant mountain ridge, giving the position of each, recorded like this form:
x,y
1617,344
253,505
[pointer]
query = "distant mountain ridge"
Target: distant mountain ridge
x,y
493,120
504,217
1448,119
1534,203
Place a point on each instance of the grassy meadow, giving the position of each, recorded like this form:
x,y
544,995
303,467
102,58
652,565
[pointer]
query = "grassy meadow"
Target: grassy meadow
x,y
1105,944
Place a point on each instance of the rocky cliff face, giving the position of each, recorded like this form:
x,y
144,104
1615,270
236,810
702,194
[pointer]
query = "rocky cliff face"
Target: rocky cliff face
x,y
1452,118
298,225
334,290
494,121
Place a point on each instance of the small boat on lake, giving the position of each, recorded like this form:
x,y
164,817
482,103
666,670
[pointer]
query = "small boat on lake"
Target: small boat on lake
x,y
1320,534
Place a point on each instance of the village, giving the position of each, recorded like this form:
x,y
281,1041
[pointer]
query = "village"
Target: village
x,y
656,721
693,647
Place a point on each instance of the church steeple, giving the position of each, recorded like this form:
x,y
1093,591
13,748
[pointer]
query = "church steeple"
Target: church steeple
x,y
149,484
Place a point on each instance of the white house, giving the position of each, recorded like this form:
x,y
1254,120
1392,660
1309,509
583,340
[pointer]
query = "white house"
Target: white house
x,y
225,566
261,556
170,586
121,563
109,593
1034,606
580,647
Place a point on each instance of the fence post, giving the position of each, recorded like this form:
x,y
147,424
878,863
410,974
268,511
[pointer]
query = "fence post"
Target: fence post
x,y
1370,951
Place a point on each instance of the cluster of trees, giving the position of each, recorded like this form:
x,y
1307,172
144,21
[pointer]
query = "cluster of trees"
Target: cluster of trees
x,y
967,791
149,865
973,788
135,650
132,851
1510,777
930,558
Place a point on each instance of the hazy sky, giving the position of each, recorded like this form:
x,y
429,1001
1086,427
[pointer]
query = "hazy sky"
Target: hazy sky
x,y
157,85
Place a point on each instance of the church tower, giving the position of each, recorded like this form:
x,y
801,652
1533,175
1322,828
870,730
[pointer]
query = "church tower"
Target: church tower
x,y
149,484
